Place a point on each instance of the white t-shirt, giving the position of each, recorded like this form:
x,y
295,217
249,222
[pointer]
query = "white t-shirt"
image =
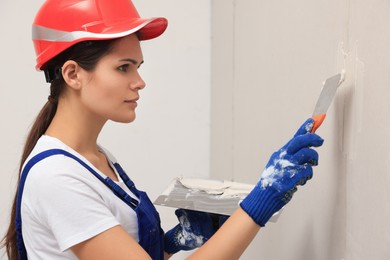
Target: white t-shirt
x,y
64,204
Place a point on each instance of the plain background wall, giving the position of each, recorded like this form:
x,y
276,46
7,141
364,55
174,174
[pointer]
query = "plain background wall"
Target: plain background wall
x,y
170,136
269,60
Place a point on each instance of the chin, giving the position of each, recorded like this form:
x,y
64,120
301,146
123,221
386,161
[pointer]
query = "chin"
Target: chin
x,y
127,119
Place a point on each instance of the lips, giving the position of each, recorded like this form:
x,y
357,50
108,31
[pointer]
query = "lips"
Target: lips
x,y
134,100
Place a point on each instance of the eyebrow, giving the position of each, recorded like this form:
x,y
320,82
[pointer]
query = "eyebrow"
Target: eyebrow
x,y
133,61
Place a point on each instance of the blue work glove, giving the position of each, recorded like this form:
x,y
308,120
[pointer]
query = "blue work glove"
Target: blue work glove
x,y
288,167
193,230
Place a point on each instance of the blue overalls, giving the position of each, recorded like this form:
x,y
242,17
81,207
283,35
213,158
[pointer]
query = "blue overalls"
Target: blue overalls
x,y
149,229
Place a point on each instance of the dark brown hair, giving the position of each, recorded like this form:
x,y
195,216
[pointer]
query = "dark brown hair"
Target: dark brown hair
x,y
86,54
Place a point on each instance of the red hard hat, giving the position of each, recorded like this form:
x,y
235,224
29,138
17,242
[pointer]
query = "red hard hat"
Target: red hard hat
x,y
60,24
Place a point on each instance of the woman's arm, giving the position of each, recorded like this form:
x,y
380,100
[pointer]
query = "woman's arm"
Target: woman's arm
x,y
228,243
231,240
114,243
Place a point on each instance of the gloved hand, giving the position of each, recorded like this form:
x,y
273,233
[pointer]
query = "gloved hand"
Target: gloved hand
x,y
193,230
288,167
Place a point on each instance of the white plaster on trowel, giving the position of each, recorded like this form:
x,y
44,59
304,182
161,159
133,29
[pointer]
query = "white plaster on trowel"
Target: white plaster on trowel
x,y
169,189
225,189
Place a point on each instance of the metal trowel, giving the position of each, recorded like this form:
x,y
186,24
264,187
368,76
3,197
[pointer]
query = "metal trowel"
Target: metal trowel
x,y
325,99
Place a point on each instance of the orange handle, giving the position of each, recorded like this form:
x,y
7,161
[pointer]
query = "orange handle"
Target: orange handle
x,y
318,119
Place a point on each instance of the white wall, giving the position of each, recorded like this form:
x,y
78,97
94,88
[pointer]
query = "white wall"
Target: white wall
x,y
269,59
170,136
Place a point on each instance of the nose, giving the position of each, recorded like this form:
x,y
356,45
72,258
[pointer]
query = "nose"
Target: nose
x,y
137,83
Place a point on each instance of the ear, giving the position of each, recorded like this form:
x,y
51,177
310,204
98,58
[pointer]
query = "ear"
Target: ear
x,y
71,72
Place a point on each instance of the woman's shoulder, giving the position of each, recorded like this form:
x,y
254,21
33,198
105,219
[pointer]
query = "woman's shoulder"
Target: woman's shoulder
x,y
51,159
46,143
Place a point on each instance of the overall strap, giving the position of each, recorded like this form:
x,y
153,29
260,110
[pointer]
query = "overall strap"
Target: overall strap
x,y
116,189
129,183
19,238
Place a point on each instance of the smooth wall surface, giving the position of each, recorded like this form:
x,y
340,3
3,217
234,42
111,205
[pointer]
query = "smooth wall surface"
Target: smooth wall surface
x,y
269,60
170,136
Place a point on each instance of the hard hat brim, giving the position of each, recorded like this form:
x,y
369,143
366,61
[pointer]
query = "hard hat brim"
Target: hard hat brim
x,y
145,28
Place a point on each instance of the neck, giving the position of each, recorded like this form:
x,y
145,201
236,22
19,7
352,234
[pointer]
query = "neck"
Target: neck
x,y
77,129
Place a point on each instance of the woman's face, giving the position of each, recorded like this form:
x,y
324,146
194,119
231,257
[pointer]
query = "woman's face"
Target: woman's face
x,y
111,89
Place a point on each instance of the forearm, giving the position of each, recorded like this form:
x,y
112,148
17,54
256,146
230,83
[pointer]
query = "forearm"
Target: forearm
x,y
231,240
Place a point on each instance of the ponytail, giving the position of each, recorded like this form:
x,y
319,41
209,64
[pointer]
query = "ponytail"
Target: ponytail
x,y
86,54
39,127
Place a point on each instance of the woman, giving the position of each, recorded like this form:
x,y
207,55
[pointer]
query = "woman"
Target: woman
x,y
73,199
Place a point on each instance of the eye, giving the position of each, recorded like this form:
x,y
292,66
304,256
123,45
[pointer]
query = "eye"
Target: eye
x,y
123,67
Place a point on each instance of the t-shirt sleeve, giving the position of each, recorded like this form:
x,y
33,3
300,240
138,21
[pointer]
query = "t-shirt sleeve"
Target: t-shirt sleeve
x,y
67,202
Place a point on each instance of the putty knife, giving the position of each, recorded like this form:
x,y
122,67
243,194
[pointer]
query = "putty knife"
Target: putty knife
x,y
325,99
